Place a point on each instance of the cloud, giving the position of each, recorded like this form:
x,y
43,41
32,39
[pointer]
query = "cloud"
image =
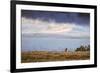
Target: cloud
x,y
39,26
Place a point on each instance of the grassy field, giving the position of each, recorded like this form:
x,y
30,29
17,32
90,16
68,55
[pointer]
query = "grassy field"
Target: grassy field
x,y
45,56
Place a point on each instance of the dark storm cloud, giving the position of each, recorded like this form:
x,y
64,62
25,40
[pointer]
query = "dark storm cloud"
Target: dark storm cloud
x,y
60,17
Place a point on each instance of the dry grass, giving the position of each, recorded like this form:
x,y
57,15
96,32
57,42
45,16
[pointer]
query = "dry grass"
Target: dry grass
x,y
44,56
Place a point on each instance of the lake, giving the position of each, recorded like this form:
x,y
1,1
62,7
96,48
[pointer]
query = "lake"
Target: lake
x,y
51,44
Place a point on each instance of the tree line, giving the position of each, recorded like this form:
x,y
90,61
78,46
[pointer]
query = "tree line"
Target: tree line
x,y
81,48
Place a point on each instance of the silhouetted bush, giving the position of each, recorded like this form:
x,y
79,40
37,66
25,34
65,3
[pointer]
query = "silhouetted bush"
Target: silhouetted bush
x,y
83,48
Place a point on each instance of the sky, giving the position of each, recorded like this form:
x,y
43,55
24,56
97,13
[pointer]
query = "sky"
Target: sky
x,y
55,24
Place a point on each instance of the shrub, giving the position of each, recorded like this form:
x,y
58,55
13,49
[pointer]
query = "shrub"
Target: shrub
x,y
83,48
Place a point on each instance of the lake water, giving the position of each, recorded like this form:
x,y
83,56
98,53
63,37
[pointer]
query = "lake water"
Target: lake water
x,y
52,44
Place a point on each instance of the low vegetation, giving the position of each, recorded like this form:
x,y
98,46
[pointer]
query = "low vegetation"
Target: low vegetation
x,y
81,53
44,56
83,48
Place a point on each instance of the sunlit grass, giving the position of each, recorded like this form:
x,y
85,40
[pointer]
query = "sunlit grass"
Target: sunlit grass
x,y
45,56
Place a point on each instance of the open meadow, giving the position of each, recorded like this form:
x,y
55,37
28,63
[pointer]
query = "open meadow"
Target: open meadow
x,y
45,56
